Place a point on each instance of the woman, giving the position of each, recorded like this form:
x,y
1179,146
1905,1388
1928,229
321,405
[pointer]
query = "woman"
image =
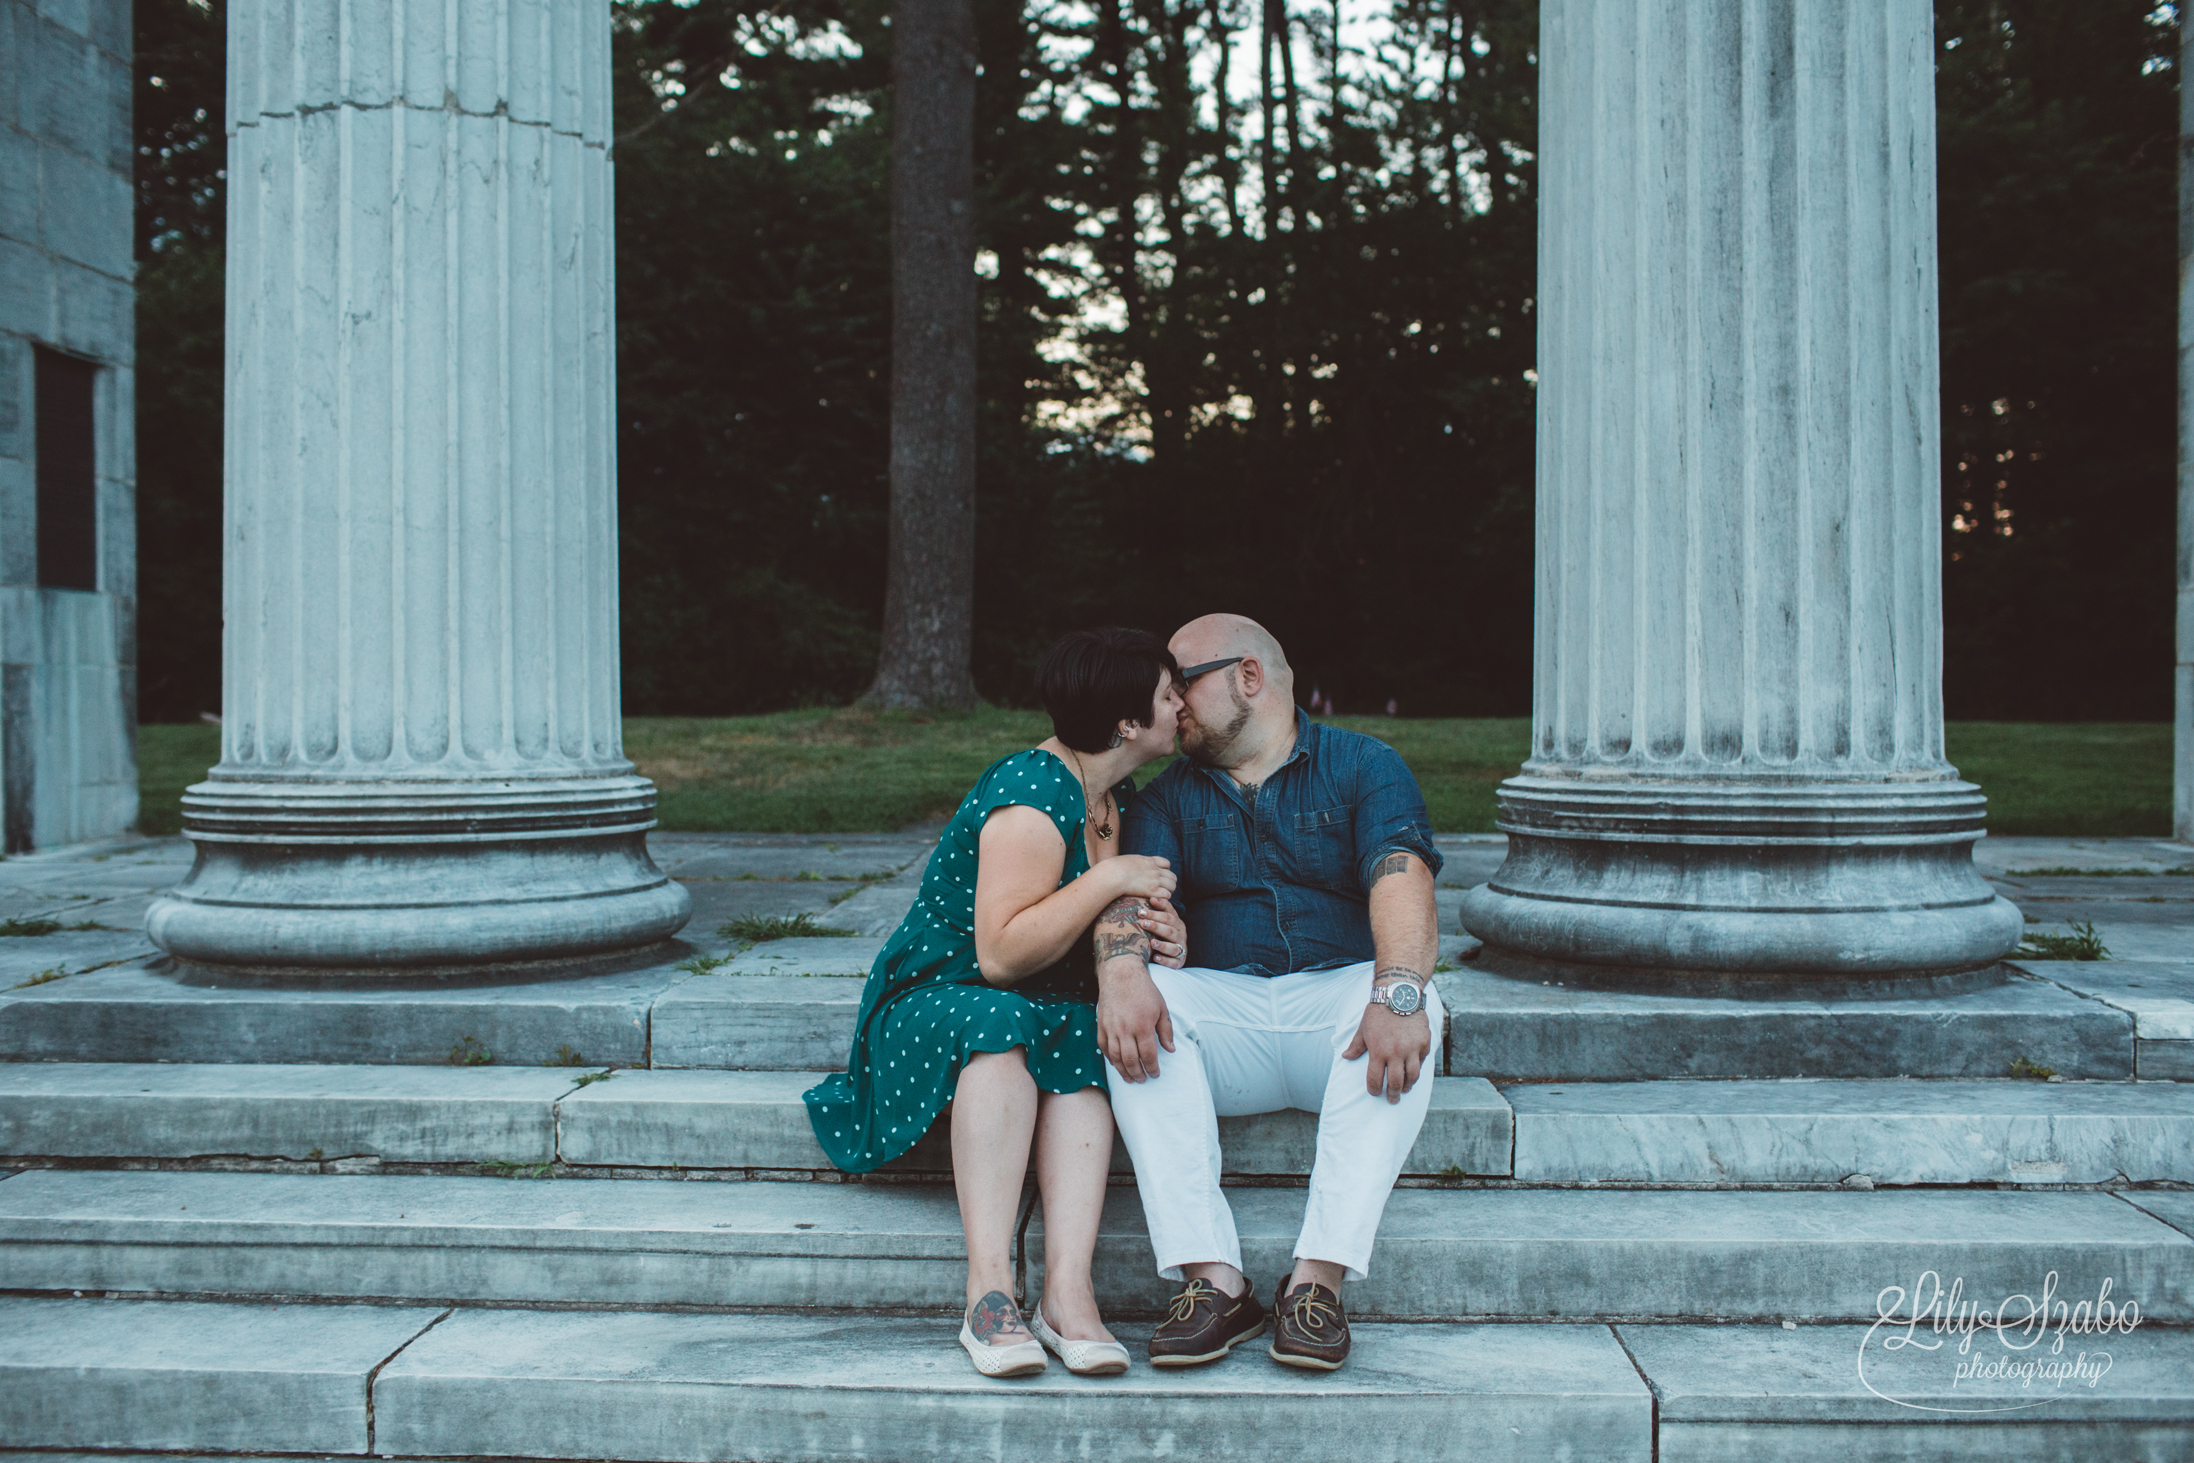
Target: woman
x,y
985,998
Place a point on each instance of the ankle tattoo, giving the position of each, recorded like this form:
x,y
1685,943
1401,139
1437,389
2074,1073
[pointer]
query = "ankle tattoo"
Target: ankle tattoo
x,y
994,1315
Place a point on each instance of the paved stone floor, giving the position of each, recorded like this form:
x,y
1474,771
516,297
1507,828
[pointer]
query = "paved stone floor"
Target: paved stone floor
x,y
2137,892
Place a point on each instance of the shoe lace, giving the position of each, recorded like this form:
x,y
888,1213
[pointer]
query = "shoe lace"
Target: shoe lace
x,y
1310,1313
1184,1305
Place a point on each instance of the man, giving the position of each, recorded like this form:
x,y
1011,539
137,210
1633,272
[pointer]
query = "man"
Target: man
x,y
1306,875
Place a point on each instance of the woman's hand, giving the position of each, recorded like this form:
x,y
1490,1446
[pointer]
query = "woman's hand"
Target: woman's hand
x,y
1140,876
1168,932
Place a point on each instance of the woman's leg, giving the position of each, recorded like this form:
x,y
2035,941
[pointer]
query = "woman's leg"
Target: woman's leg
x,y
993,1118
1073,1154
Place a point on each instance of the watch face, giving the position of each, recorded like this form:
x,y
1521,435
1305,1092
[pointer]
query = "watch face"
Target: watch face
x,y
1403,999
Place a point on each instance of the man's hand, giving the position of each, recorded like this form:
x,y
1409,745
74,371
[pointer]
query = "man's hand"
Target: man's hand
x,y
1405,934
1398,1046
1132,1021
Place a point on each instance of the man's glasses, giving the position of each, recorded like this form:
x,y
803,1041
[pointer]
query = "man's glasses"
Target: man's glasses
x,y
1190,673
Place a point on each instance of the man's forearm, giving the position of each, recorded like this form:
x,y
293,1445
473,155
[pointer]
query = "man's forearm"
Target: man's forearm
x,y
1405,919
1120,936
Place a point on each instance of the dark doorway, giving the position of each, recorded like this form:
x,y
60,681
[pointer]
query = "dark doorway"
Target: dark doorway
x,y
68,488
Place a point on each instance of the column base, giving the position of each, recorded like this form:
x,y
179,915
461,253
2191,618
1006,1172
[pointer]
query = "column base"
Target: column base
x,y
407,879
1702,880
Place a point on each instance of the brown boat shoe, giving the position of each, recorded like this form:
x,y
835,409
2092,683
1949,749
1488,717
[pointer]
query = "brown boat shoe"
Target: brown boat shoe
x,y
1309,1328
1204,1323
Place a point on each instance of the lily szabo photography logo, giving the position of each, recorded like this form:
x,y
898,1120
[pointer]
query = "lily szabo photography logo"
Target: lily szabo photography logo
x,y
2023,1352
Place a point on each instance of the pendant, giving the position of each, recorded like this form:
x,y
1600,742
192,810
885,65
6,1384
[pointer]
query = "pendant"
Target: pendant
x,y
1104,834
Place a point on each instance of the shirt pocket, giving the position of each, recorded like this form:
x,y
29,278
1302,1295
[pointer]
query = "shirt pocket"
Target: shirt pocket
x,y
1324,847
1211,847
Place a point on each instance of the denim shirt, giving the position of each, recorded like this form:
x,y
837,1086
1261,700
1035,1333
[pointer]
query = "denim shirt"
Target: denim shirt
x,y
1280,883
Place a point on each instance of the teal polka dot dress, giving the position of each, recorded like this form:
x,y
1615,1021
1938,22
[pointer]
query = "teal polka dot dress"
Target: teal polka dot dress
x,y
927,1009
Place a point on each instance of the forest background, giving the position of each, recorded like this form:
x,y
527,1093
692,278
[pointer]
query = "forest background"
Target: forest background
x,y
1256,334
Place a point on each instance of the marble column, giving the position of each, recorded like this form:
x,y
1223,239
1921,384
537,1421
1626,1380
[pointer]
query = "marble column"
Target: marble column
x,y
421,766
1737,735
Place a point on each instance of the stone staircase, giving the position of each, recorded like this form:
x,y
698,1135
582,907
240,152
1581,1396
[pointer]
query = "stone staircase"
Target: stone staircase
x,y
252,1221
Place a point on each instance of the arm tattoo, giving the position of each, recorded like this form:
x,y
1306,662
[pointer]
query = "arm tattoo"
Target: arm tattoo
x,y
1119,933
1397,972
1393,863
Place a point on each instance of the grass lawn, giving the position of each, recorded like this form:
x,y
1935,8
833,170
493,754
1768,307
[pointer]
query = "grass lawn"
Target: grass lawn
x,y
857,771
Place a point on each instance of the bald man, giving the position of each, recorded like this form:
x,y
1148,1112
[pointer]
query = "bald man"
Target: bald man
x,y
1306,871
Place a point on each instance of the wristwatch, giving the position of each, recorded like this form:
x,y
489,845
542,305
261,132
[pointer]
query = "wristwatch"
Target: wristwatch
x,y
1403,997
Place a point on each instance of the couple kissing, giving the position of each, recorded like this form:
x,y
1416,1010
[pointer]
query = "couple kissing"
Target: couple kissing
x,y
1252,931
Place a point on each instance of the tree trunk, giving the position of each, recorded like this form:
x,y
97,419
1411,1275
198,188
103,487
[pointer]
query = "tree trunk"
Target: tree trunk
x,y
929,589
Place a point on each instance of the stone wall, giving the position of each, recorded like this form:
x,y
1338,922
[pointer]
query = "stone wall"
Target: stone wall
x,y
68,674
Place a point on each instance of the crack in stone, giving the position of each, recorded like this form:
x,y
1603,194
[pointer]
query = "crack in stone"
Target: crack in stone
x,y
450,107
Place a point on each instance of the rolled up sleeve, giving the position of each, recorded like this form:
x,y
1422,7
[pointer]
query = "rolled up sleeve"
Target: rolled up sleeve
x,y
1390,813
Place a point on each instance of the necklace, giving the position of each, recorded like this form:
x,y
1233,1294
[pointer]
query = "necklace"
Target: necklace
x,y
1104,829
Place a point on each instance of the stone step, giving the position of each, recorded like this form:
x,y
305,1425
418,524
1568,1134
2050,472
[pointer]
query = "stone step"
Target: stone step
x,y
157,1377
1877,1131
300,1113
2157,994
1508,1028
635,1119
1738,1394
703,1387
790,1006
420,1383
643,1386
701,1119
1737,1133
147,1012
1443,1253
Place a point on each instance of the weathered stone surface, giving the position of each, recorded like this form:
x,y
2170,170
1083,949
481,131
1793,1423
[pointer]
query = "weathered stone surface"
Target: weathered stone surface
x,y
816,956
877,910
710,1387
1953,1132
398,1114
2173,1208
756,1120
785,856
2158,995
2015,856
66,227
2137,938
1507,1028
720,904
134,1374
1708,1254
131,1014
2165,1061
24,958
638,1241
757,1022
1730,1393
1442,1254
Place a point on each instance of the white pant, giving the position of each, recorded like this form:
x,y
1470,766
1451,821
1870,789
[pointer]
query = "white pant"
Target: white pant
x,y
1247,1044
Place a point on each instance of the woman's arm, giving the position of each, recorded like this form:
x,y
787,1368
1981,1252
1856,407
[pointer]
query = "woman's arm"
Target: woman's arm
x,y
1024,922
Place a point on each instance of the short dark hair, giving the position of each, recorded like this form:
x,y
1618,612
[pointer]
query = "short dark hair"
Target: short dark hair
x,y
1093,680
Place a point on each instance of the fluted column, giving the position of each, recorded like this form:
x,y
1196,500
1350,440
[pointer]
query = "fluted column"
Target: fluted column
x,y
421,757
1737,763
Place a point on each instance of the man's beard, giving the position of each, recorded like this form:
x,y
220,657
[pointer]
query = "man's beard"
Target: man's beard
x,y
1210,746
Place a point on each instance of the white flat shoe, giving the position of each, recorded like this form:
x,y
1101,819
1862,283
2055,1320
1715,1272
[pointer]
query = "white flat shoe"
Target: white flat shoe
x,y
1023,1359
1083,1358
